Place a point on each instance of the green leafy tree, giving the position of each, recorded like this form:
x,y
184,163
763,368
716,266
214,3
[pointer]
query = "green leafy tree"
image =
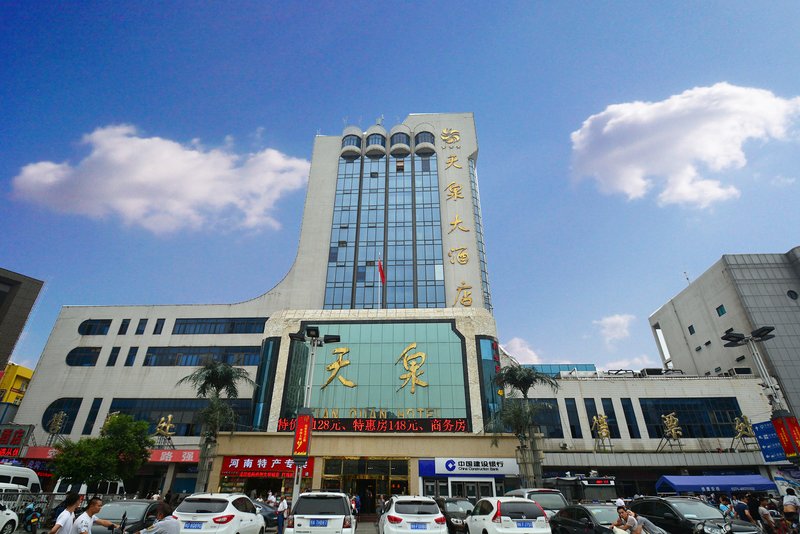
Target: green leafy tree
x,y
118,453
519,417
210,381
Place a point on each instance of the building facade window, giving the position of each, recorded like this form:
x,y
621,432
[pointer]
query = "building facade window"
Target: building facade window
x,y
158,327
123,327
711,417
401,138
548,417
194,356
351,140
476,209
87,427
226,325
131,358
112,358
425,137
185,412
83,357
69,406
428,234
591,412
630,418
611,418
94,327
376,139
141,326
488,350
691,329
574,420
721,310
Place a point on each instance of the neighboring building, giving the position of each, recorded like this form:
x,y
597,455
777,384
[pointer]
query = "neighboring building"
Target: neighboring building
x,y
13,385
391,259
740,292
17,296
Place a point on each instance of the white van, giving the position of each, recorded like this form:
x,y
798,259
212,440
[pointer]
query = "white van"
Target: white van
x,y
22,476
106,487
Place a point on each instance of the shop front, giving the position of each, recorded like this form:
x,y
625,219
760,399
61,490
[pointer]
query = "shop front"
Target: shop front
x,y
472,478
258,475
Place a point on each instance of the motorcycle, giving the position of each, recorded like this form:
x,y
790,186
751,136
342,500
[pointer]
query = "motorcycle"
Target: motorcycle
x,y
31,518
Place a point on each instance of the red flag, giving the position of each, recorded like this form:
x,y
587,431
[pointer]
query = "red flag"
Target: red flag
x,y
380,272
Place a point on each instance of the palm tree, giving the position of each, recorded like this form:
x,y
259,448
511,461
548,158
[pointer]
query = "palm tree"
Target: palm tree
x,y
519,416
210,381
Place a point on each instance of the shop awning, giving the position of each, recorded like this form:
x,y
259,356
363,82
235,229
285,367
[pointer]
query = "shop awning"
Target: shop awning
x,y
726,483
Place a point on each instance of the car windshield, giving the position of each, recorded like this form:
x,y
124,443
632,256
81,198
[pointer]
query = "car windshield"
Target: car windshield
x,y
202,506
549,501
696,510
605,515
458,506
113,511
321,505
416,507
520,509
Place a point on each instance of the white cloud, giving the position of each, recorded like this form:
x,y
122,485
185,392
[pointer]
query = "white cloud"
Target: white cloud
x,y
614,327
521,351
634,364
162,185
783,181
629,148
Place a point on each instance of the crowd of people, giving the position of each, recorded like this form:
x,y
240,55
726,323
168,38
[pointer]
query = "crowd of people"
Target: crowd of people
x,y
67,523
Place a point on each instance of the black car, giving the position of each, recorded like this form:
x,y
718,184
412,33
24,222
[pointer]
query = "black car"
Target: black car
x,y
584,518
269,512
688,515
455,511
139,514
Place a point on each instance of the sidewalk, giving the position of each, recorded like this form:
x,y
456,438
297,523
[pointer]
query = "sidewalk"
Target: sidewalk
x,y
366,527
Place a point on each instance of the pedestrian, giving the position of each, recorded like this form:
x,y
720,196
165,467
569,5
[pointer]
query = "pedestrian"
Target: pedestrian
x,y
83,525
741,510
644,525
725,506
165,522
766,518
619,502
67,517
283,506
271,499
625,523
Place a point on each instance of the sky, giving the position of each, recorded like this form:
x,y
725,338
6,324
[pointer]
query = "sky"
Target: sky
x,y
158,153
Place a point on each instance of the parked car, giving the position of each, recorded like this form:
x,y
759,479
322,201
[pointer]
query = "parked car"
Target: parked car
x,y
688,515
455,511
507,515
404,514
583,518
321,512
220,513
269,513
8,520
551,500
139,514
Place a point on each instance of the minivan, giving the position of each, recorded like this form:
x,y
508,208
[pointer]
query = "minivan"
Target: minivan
x,y
22,476
104,487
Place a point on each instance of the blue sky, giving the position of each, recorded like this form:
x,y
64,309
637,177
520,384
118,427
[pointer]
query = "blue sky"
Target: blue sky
x,y
156,153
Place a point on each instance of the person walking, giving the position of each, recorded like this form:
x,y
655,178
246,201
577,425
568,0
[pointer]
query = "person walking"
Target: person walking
x,y
283,506
791,505
766,519
83,525
67,517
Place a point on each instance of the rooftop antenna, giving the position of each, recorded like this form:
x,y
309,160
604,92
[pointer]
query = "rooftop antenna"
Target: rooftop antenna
x,y
686,275
379,121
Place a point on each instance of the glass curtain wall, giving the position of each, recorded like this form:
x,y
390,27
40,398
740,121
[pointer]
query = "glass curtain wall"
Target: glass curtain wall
x,y
428,234
341,256
399,258
372,214
476,207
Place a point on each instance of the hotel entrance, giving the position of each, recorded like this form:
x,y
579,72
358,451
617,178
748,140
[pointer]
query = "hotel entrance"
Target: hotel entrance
x,y
367,478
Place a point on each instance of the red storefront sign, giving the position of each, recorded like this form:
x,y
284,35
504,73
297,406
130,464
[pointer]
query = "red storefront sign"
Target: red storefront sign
x,y
788,432
40,453
302,437
175,456
382,426
263,466
12,439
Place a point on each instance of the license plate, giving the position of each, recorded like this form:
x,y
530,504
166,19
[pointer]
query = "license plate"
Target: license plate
x,y
34,519
419,526
524,524
319,522
193,525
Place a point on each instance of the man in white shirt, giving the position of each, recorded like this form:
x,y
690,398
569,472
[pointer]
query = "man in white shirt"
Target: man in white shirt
x,y
67,517
282,510
83,525
619,502
165,523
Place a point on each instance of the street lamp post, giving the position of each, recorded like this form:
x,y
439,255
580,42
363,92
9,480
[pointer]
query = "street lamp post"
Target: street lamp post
x,y
736,339
313,338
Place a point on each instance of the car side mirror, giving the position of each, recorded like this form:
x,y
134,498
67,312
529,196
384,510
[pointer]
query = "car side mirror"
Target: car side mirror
x,y
669,515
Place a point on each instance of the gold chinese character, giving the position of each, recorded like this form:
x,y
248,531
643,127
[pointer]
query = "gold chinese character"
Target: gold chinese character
x,y
451,136
456,225
453,191
413,364
336,366
463,296
452,161
165,426
459,254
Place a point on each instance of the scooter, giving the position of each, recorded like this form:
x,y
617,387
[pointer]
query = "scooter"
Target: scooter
x,y
31,518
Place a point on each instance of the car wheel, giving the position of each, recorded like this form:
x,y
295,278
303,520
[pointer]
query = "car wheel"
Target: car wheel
x,y
8,528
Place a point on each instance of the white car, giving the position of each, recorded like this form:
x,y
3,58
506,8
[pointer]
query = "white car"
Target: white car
x,y
412,515
507,515
220,513
8,520
321,512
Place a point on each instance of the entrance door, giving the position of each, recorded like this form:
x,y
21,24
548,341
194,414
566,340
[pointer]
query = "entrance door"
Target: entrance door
x,y
472,489
486,489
